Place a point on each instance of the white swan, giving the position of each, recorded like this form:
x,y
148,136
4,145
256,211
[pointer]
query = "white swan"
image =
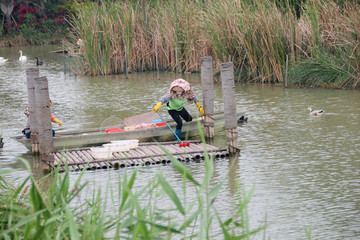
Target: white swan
x,y
22,58
315,112
2,60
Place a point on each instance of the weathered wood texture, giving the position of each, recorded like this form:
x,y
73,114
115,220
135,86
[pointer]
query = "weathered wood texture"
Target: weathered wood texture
x,y
141,118
207,85
32,73
144,154
43,114
228,89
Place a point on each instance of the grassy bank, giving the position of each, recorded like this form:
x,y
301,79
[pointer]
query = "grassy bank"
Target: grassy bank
x,y
255,35
52,209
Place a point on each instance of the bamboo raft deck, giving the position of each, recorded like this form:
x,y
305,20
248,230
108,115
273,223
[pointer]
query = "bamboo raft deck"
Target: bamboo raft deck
x,y
145,154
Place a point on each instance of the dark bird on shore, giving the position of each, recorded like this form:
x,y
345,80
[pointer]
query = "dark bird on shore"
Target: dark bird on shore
x,y
242,119
38,62
1,143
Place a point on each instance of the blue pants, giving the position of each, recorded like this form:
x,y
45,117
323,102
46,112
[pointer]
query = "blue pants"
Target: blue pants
x,y
27,135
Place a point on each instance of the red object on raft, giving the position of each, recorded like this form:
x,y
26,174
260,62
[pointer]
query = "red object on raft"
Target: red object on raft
x,y
111,130
187,144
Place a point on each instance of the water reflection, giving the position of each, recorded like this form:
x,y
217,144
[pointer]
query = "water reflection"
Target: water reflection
x,y
305,169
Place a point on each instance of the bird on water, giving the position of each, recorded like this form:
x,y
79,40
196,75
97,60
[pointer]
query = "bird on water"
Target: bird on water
x,y
242,119
22,58
1,142
315,112
2,60
38,62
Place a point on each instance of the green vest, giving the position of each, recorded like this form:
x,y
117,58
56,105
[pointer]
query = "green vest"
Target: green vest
x,y
176,104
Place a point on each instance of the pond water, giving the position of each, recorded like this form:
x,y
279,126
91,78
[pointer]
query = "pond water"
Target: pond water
x,y
305,169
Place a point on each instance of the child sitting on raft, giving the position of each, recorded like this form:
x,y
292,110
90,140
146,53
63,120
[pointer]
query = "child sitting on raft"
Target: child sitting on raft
x,y
27,131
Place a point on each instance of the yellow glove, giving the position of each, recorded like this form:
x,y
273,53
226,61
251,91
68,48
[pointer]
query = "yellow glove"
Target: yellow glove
x,y
157,107
201,110
55,120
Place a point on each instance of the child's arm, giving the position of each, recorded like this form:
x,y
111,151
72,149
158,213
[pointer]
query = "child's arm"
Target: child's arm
x,y
198,104
162,101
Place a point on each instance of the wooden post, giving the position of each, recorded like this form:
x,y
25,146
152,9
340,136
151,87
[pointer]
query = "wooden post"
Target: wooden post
x,y
157,59
45,137
32,73
228,89
286,73
176,63
63,57
207,85
126,63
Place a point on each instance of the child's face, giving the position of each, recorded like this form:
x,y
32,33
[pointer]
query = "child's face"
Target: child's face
x,y
177,90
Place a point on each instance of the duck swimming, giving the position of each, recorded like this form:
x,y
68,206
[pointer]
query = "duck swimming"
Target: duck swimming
x,y
315,112
22,58
38,62
2,60
242,119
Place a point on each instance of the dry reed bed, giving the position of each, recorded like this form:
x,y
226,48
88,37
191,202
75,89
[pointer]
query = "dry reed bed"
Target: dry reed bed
x,y
255,36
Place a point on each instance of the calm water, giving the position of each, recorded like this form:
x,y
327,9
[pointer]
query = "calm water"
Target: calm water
x,y
305,169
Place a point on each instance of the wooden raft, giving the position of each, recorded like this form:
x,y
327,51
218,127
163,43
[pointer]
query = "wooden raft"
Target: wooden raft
x,y
144,154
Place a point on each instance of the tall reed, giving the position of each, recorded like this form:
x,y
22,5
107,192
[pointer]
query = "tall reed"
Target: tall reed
x,y
334,55
255,35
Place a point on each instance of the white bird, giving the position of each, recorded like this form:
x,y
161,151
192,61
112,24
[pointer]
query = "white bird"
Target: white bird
x,y
80,42
315,112
22,58
2,60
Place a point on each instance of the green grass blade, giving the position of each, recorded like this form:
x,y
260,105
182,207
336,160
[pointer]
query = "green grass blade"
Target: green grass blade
x,y
171,193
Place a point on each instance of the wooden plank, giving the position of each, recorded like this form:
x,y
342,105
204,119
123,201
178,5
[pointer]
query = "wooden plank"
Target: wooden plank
x,y
80,158
141,118
90,156
65,158
87,159
145,154
72,161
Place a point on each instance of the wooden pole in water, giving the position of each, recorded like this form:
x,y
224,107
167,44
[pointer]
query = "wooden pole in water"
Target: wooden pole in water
x,y
63,57
176,63
228,89
207,85
125,63
32,73
46,145
157,60
286,73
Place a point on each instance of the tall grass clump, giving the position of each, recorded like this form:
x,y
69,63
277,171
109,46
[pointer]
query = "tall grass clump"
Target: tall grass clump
x,y
29,211
148,33
334,57
257,36
251,34
179,28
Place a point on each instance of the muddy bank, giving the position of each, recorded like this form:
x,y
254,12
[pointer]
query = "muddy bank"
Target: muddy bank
x,y
21,41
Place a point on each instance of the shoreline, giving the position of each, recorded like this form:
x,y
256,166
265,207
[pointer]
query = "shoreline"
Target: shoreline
x,y
19,41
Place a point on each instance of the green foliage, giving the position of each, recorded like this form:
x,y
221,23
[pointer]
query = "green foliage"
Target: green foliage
x,y
28,29
326,70
29,211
